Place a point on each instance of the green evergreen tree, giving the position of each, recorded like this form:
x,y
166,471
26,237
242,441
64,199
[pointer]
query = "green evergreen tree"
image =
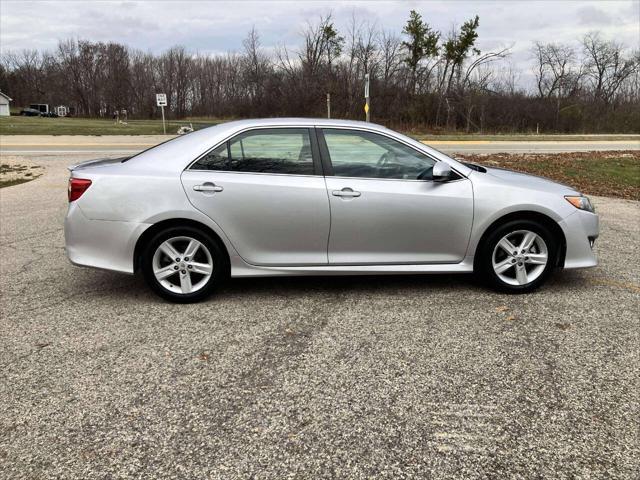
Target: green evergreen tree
x,y
423,43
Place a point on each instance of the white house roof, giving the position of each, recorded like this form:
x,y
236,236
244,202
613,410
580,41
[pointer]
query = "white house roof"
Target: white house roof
x,y
5,96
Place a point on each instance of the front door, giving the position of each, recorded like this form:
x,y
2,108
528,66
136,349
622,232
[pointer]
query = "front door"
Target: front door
x,y
265,189
384,207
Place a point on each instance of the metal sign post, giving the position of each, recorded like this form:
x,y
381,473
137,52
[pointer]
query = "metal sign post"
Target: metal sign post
x,y
161,101
366,97
328,105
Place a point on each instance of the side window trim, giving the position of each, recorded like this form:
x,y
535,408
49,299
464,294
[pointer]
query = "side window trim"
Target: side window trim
x,y
318,167
326,156
313,140
228,143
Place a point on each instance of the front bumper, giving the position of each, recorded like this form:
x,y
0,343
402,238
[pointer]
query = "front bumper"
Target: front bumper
x,y
100,243
580,229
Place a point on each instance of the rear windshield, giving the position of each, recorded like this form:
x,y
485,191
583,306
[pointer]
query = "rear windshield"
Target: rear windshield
x,y
150,148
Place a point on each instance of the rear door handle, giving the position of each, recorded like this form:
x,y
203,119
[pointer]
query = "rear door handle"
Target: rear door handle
x,y
346,193
208,187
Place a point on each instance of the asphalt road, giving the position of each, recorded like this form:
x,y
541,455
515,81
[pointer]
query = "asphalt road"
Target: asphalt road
x,y
392,377
129,145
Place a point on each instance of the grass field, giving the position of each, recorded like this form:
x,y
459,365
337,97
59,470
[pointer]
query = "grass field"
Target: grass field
x,y
611,174
16,125
85,126
521,137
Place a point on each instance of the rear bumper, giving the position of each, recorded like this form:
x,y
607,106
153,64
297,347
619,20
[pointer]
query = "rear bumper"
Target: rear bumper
x,y
579,229
100,244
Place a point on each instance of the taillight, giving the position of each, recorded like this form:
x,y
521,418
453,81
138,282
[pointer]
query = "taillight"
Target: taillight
x,y
77,186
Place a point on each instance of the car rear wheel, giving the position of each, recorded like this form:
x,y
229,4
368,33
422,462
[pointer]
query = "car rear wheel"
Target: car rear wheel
x,y
183,264
517,257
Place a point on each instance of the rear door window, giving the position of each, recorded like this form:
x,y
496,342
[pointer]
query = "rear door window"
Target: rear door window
x,y
276,150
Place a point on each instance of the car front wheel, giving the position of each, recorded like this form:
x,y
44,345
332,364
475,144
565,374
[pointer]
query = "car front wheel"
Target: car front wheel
x,y
183,264
517,257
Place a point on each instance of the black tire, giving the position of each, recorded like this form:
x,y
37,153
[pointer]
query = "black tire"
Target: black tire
x,y
219,257
484,260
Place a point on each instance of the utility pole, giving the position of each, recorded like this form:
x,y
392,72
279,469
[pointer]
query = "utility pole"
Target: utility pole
x,y
366,98
328,105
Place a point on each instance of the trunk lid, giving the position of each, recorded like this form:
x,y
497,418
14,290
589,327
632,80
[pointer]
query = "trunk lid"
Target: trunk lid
x,y
100,162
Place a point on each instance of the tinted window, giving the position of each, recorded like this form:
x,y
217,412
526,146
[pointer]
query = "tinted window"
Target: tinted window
x,y
217,159
370,155
263,151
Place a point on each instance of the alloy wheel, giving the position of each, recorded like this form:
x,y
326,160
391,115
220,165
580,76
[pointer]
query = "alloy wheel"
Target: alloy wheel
x,y
182,264
520,257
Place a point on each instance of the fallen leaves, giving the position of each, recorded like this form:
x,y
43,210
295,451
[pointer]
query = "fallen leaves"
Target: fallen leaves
x,y
504,309
607,173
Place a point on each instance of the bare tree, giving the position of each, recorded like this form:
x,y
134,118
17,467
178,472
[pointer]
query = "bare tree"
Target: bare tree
x,y
558,72
257,66
391,60
481,63
590,85
607,67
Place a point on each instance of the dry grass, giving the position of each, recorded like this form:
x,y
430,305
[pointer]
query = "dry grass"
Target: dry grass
x,y
611,174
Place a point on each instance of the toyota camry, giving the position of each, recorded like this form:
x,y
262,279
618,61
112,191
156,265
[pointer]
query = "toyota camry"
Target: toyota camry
x,y
276,197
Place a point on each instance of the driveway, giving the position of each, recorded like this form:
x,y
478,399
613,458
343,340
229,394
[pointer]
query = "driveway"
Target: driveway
x,y
365,377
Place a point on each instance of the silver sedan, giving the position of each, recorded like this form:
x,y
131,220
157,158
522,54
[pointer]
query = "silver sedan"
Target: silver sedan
x,y
318,197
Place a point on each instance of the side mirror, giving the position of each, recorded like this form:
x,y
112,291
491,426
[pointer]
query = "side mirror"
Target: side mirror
x,y
442,172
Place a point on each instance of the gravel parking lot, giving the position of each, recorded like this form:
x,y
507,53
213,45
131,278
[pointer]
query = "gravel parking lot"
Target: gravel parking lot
x,y
387,377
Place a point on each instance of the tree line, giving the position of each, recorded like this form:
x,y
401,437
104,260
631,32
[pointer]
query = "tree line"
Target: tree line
x,y
420,78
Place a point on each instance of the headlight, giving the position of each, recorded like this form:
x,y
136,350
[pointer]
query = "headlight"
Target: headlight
x,y
581,202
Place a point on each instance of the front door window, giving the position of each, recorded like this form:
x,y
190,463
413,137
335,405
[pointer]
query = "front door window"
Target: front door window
x,y
370,155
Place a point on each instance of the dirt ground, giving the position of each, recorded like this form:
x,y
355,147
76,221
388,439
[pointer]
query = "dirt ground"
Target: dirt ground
x,y
15,170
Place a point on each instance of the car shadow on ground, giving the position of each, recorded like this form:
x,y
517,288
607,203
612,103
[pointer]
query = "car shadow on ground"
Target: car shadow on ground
x,y
434,283
134,287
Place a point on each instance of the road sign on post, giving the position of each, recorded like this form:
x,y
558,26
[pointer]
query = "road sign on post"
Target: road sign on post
x,y
366,97
161,101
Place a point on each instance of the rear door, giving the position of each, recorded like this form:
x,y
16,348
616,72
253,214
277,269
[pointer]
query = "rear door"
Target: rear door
x,y
265,189
385,209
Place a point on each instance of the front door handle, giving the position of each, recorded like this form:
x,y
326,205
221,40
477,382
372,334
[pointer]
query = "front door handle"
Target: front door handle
x,y
208,187
346,193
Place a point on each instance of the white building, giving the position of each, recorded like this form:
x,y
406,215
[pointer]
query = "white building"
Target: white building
x,y
4,104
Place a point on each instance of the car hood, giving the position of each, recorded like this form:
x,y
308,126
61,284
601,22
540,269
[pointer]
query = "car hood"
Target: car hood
x,y
524,180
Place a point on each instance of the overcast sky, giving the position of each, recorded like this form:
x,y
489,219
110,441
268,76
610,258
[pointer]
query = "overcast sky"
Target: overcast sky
x,y
209,27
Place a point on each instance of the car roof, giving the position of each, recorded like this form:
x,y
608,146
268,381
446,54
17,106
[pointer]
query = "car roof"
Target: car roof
x,y
235,126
